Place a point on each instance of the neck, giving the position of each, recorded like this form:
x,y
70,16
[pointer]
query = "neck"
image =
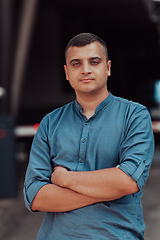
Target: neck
x,y
89,102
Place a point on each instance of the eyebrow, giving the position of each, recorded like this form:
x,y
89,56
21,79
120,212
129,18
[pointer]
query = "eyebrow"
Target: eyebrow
x,y
75,60
92,58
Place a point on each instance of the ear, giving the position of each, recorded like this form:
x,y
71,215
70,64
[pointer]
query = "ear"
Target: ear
x,y
109,68
65,69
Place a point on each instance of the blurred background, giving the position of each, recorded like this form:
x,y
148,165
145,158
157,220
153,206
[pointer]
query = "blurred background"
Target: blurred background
x,y
33,37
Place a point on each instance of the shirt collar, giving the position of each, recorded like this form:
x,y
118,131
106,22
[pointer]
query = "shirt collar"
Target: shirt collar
x,y
103,104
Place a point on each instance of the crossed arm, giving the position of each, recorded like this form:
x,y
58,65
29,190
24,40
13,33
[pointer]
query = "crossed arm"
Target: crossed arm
x,y
71,190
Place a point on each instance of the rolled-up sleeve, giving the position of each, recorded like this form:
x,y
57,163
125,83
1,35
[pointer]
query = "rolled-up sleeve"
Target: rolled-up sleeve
x,y
137,146
39,168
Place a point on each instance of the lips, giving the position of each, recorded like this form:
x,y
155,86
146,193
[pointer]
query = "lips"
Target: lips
x,y
86,79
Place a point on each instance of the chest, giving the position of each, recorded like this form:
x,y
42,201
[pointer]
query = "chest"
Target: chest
x,y
87,145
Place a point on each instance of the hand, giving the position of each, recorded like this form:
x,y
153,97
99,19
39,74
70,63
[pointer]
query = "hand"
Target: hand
x,y
59,175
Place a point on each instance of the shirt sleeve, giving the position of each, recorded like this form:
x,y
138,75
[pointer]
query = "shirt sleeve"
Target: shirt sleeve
x,y
137,147
39,168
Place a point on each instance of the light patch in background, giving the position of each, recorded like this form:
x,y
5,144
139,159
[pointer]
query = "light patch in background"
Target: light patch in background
x,y
35,127
157,91
2,92
26,131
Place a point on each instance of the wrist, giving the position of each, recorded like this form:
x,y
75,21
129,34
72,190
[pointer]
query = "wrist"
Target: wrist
x,y
66,179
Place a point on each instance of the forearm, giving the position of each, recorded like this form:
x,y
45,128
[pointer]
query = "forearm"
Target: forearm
x,y
52,198
108,184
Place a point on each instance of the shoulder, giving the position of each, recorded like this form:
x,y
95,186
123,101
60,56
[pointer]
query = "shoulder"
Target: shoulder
x,y
128,103
130,111
129,106
56,113
51,119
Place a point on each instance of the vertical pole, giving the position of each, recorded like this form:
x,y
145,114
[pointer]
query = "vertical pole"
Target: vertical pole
x,y
5,50
27,21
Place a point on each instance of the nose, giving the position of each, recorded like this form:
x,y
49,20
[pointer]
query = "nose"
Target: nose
x,y
86,69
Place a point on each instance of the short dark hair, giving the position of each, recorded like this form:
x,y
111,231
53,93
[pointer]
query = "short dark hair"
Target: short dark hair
x,y
84,39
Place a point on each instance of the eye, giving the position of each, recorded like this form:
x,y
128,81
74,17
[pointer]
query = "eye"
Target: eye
x,y
76,64
94,62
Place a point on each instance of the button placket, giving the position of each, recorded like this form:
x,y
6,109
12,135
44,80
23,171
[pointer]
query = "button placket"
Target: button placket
x,y
83,146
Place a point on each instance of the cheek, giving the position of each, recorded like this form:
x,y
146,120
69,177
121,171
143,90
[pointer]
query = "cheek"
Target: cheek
x,y
72,79
105,74
73,75
102,74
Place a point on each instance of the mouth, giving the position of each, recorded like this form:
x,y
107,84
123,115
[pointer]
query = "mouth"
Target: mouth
x,y
86,79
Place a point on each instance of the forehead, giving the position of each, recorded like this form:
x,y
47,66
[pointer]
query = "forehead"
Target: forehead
x,y
94,49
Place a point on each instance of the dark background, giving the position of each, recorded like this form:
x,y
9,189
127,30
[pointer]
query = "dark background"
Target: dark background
x,y
133,43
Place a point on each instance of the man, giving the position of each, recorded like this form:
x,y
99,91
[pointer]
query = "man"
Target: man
x,y
90,158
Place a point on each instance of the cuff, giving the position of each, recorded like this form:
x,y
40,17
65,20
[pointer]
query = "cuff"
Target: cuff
x,y
135,170
30,190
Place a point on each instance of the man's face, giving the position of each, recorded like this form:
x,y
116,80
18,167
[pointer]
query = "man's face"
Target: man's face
x,y
86,68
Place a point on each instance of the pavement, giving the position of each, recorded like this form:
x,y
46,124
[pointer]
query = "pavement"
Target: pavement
x,y
17,223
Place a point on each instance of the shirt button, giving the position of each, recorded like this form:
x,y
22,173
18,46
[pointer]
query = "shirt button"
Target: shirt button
x,y
86,123
81,161
83,140
144,161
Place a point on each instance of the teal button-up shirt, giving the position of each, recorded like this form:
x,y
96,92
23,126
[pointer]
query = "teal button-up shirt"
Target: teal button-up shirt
x,y
119,133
